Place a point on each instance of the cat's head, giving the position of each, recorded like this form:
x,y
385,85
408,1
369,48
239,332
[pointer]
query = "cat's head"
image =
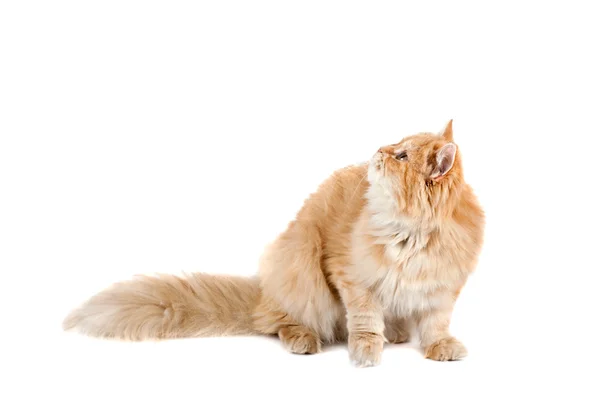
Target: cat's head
x,y
418,177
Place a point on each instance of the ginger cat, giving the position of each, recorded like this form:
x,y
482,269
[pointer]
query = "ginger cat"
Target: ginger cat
x,y
377,248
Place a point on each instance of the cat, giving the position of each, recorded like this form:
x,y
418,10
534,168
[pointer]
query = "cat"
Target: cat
x,y
380,249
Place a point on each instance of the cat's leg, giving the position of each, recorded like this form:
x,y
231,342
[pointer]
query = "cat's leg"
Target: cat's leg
x,y
365,326
296,297
296,338
299,339
397,330
436,339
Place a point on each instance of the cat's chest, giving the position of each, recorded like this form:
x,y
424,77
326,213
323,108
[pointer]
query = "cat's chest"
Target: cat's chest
x,y
412,276
417,287
410,268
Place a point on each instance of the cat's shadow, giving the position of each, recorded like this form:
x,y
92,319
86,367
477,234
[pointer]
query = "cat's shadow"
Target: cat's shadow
x,y
412,345
343,345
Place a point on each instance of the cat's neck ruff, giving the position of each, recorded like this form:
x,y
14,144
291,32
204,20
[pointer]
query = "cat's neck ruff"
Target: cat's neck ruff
x,y
403,236
384,216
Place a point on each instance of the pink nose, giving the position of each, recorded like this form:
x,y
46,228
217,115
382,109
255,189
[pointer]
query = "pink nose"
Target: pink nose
x,y
386,149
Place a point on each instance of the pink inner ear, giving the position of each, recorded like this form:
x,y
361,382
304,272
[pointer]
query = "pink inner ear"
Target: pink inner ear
x,y
445,158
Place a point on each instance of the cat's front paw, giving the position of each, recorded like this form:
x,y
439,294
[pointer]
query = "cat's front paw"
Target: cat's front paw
x,y
365,349
447,349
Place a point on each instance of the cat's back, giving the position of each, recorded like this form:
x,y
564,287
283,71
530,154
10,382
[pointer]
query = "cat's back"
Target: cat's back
x,y
339,198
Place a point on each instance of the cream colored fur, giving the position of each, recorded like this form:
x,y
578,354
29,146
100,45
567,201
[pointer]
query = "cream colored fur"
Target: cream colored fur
x,y
377,248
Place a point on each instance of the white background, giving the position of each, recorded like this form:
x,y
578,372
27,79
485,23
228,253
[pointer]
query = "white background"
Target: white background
x,y
143,136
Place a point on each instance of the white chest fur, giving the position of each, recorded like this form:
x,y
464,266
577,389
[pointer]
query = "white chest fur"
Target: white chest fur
x,y
409,280
402,294
411,277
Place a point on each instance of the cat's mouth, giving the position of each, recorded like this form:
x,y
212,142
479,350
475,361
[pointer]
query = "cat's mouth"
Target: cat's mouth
x,y
377,161
376,167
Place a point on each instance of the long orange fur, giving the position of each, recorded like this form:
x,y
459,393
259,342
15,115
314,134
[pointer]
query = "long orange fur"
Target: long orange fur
x,y
377,249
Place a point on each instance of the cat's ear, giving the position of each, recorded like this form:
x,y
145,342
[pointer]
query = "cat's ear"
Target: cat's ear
x,y
444,161
446,132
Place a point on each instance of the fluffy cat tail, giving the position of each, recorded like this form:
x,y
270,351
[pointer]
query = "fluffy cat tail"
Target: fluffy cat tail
x,y
169,306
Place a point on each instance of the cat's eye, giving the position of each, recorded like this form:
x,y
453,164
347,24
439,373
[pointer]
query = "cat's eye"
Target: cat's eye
x,y
402,156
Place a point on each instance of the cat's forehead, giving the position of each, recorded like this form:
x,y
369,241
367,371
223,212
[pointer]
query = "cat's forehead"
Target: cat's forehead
x,y
417,140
